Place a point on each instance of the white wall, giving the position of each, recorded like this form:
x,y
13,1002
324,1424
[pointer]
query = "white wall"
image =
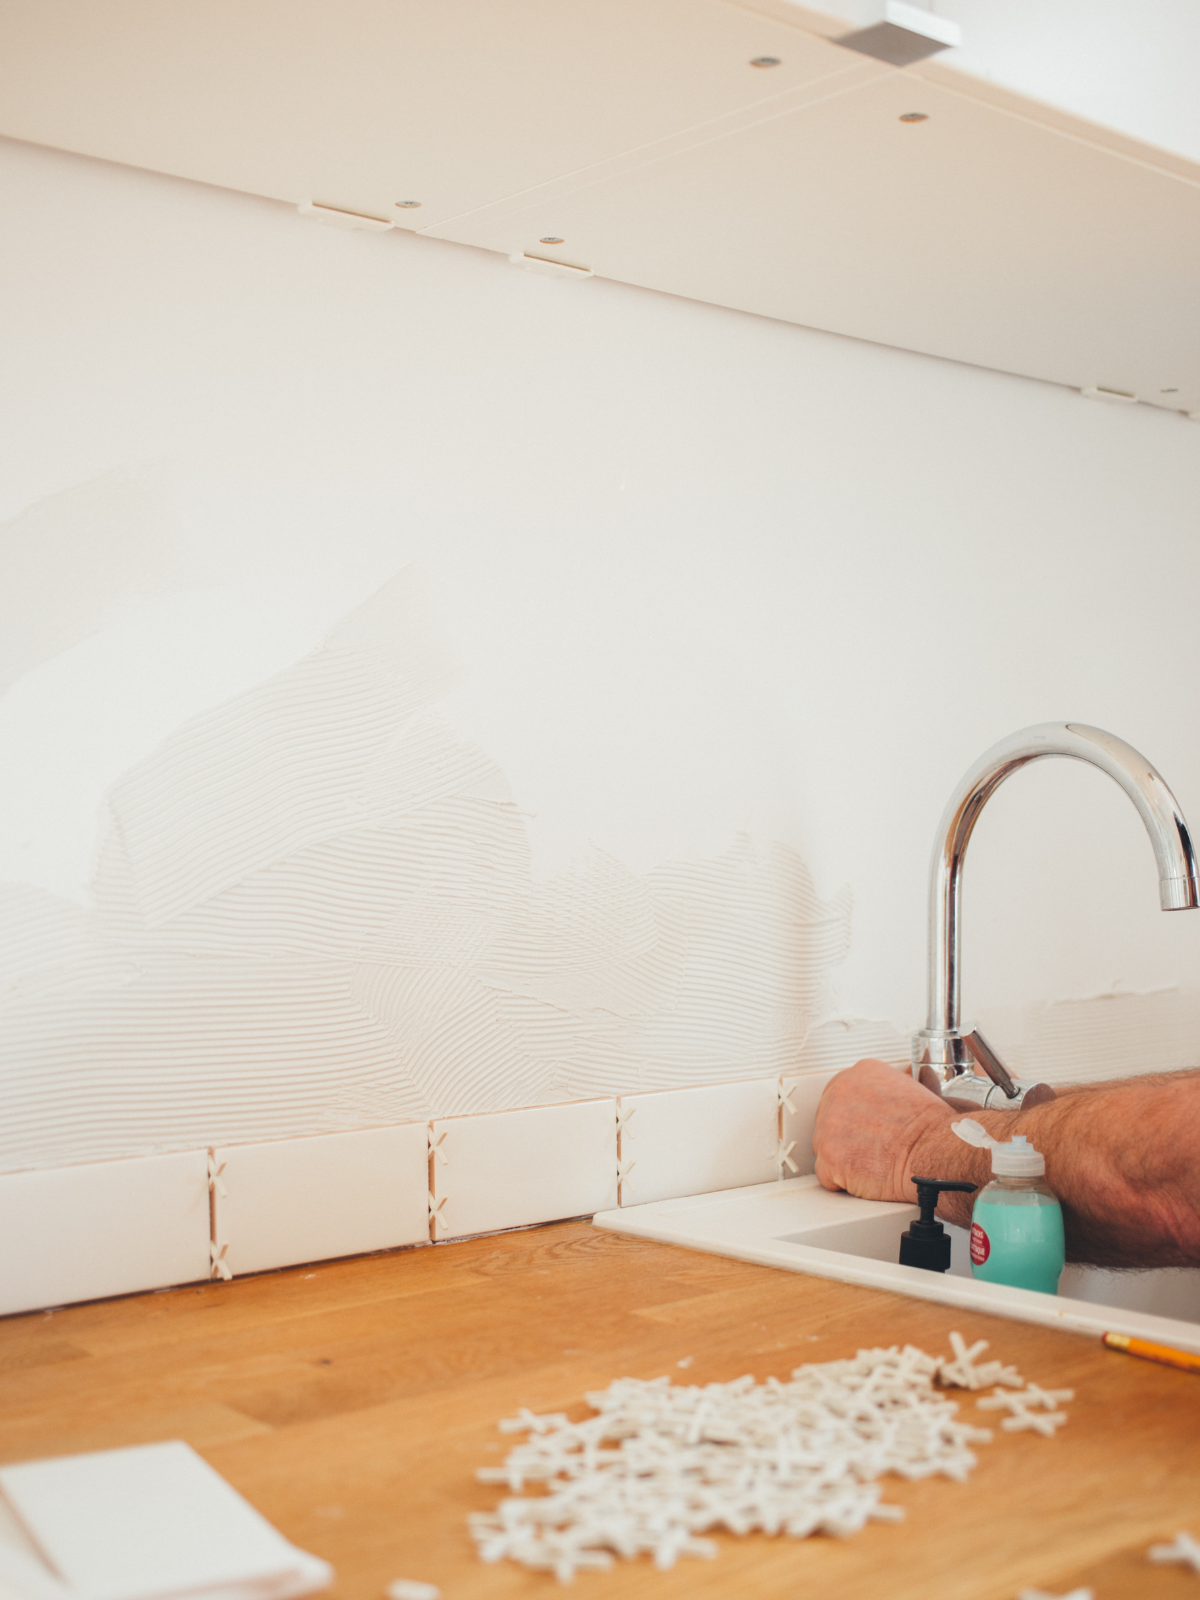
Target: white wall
x,y
1127,64
686,623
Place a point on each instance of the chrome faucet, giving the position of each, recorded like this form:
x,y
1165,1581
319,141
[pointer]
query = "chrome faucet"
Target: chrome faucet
x,y
944,1052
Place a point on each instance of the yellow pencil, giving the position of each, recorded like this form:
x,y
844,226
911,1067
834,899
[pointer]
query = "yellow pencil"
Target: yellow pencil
x,y
1153,1352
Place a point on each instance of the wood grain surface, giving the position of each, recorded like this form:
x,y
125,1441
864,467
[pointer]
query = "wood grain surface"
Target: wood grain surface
x,y
352,1402
1129,1574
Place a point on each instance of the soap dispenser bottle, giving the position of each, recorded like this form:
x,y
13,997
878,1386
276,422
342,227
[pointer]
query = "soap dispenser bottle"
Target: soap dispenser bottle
x,y
926,1243
1017,1225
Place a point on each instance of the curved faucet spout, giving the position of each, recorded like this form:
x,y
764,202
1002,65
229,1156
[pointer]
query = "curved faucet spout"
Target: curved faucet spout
x,y
945,1046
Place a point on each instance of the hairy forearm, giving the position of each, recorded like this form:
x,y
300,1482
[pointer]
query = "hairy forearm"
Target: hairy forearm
x,y
1123,1159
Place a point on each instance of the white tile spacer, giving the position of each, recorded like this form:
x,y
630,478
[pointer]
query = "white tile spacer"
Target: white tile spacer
x,y
1004,1402
215,1185
410,1589
624,1168
1043,1422
435,1211
551,269
1027,1399
963,1373
435,1146
783,1157
220,1267
623,1115
1184,1552
1040,1594
783,1098
1049,1399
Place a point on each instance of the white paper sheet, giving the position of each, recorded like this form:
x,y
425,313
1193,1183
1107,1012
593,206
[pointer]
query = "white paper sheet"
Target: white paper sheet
x,y
143,1523
24,1574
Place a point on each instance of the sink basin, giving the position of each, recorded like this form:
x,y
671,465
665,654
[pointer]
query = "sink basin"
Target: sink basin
x,y
800,1226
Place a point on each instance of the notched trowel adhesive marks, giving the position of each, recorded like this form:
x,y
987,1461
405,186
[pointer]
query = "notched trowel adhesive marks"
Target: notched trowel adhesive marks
x,y
314,910
1100,1036
315,750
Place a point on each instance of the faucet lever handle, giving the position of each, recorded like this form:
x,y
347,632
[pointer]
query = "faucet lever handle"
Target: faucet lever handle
x,y
990,1062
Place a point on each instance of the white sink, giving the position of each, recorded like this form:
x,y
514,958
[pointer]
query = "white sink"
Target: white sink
x,y
798,1225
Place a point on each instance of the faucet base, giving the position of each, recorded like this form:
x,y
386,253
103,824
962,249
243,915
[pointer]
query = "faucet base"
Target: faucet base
x,y
944,1060
943,1051
971,1091
946,1053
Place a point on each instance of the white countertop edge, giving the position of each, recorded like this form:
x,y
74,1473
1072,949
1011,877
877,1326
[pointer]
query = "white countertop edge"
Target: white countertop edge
x,y
998,1300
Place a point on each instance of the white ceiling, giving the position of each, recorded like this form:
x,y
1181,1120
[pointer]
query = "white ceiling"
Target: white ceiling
x,y
999,232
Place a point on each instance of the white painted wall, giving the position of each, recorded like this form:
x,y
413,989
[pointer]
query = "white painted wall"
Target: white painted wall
x,y
1127,64
658,576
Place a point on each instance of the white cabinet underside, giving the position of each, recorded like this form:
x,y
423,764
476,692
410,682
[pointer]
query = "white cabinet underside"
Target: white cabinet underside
x,y
998,232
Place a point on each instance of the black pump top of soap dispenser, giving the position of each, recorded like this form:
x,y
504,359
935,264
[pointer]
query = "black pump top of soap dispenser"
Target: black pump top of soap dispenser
x,y
925,1243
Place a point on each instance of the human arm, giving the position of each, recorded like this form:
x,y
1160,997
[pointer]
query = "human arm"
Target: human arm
x,y
1123,1158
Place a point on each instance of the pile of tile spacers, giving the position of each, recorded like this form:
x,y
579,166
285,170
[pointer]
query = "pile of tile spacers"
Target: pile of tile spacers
x,y
659,1465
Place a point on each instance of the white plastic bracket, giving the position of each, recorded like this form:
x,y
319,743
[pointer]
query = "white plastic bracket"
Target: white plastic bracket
x,y
335,217
548,268
1121,397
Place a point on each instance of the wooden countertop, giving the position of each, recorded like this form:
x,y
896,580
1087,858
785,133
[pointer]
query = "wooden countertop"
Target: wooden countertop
x,y
351,1402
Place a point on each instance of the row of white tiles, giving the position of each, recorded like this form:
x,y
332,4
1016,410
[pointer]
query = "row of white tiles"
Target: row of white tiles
x,y
118,1227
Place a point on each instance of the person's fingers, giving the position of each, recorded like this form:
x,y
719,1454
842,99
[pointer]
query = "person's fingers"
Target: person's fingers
x,y
826,1177
868,1119
871,1066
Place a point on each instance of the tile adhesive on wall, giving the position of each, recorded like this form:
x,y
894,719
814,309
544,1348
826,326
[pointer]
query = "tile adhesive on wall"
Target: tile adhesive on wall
x,y
314,911
314,915
315,924
314,927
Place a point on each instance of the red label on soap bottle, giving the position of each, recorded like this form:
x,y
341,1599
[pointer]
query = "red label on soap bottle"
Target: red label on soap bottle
x,y
981,1245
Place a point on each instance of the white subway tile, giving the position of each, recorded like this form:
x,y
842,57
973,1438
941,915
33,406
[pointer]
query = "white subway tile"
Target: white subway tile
x,y
801,1097
511,1168
105,1228
693,1141
337,1194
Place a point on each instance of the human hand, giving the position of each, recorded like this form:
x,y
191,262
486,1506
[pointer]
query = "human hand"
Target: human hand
x,y
869,1121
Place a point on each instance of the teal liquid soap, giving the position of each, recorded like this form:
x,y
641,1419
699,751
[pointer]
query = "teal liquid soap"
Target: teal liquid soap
x,y
1017,1235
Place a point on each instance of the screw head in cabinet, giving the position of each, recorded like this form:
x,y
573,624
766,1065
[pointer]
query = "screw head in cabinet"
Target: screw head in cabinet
x,y
914,116
551,238
408,205
766,61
